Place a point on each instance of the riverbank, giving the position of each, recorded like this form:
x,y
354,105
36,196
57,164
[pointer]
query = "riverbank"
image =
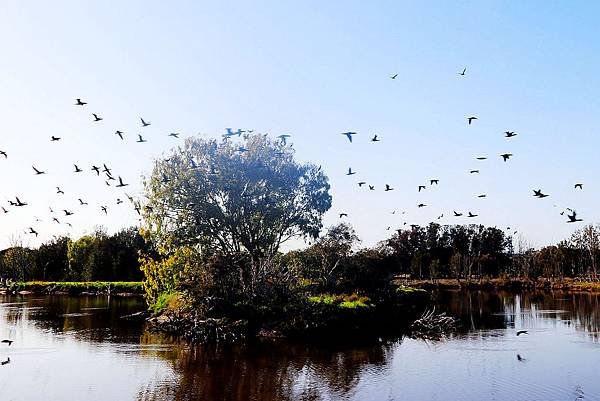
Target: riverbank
x,y
116,288
515,284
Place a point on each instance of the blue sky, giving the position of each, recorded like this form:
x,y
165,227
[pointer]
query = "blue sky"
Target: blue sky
x,y
312,70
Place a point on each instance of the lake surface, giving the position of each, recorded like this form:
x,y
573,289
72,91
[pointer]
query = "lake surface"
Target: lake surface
x,y
68,348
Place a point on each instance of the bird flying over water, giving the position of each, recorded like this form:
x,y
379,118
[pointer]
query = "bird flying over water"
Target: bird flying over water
x,y
350,172
388,188
96,169
174,134
472,215
521,332
421,205
421,187
506,156
54,138
463,72
580,186
121,183
470,119
144,123
77,169
32,231
509,134
457,214
67,213
343,215
140,139
434,181
96,118
119,133
59,191
18,202
80,103
375,139
360,184
81,202
371,187
349,135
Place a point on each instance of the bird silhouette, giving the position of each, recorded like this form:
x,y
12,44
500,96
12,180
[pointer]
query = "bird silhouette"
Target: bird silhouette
x,y
360,184
481,196
394,76
77,169
521,332
474,171
38,172
18,203
96,169
6,362
350,172
371,187
82,202
140,139
67,213
32,231
119,133
472,215
54,138
421,205
3,153
580,186
7,341
457,214
283,138
144,123
520,358
421,187
573,217
375,139
4,210
96,118
434,181
343,215
104,209
470,119
463,72
174,134
506,156
509,134
56,220
59,191
388,188
481,158
121,183
80,103
349,135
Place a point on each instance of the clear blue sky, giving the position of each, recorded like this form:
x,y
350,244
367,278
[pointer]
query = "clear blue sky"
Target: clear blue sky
x,y
312,70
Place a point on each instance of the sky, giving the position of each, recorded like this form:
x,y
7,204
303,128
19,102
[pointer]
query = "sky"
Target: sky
x,y
312,70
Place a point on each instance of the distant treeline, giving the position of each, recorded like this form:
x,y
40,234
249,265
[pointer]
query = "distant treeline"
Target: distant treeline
x,y
434,251
95,257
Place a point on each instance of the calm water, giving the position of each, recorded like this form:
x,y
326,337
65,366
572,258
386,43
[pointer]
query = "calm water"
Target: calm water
x,y
79,349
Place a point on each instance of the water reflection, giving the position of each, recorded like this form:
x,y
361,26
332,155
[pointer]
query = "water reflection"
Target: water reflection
x,y
81,348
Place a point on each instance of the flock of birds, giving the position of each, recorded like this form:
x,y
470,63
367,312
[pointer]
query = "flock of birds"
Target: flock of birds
x,y
537,193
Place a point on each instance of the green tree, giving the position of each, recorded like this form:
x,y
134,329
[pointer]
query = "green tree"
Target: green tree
x,y
249,196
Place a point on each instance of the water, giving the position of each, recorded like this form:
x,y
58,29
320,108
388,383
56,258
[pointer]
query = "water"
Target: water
x,y
74,349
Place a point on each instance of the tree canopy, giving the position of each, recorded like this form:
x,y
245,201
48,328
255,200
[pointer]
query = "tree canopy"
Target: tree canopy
x,y
250,195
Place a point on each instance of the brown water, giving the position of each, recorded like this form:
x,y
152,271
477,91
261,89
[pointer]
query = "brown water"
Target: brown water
x,y
79,349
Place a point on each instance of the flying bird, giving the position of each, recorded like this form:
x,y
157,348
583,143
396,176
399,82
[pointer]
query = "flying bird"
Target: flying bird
x,y
506,156
573,217
80,103
59,191
144,123
509,134
360,184
474,171
421,187
32,231
140,139
580,186
104,209
481,158
350,172
121,183
472,215
96,118
77,169
81,202
375,139
421,205
119,133
38,172
54,138
521,332
434,181
388,188
18,202
349,135
463,72
6,362
394,76
67,213
96,169
3,153
457,214
481,196
371,187
343,215
174,134
283,138
470,119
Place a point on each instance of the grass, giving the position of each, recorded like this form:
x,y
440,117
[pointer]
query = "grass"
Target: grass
x,y
564,284
344,301
73,287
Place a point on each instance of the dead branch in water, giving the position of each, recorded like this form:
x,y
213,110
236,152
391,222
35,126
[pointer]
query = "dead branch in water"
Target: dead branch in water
x,y
433,326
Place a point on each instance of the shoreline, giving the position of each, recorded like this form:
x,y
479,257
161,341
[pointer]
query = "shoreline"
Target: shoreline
x,y
514,284
75,288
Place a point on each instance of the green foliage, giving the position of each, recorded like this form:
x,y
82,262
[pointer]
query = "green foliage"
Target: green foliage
x,y
344,301
211,194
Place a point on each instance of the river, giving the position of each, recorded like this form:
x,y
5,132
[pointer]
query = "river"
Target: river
x,y
79,348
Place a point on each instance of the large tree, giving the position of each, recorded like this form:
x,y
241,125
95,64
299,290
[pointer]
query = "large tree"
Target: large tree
x,y
238,195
